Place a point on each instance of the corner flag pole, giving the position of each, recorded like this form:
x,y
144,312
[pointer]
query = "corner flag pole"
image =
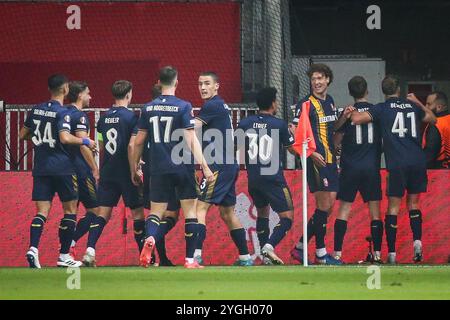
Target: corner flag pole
x,y
305,204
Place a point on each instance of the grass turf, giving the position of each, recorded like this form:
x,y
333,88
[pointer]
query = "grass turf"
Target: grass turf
x,y
284,282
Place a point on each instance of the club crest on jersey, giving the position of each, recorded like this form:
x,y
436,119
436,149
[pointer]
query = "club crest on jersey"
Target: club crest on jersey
x,y
325,182
67,118
83,120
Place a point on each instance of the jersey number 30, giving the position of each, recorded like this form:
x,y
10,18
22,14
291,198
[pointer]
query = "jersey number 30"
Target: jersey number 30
x,y
263,147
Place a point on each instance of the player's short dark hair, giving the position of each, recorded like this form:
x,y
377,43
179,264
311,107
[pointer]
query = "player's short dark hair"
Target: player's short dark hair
x,y
211,74
121,88
156,91
390,85
56,81
357,87
320,68
441,97
167,75
265,98
75,88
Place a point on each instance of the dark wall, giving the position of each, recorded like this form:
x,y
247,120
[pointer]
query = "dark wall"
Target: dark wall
x,y
414,38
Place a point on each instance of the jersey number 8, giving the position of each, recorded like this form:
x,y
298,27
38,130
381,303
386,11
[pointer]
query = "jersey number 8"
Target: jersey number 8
x,y
111,144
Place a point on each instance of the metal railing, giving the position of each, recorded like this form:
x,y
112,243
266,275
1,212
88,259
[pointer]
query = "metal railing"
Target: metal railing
x,y
18,155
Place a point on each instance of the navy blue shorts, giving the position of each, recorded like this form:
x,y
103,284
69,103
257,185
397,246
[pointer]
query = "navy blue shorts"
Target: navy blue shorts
x,y
273,193
45,187
173,204
109,193
322,179
222,190
169,186
87,192
367,182
413,179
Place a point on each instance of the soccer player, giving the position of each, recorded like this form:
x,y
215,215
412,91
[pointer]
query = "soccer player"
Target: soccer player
x,y
48,127
265,137
117,129
400,120
168,122
321,165
215,120
171,215
84,161
360,168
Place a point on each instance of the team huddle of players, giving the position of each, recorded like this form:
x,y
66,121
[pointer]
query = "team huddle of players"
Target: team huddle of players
x,y
150,161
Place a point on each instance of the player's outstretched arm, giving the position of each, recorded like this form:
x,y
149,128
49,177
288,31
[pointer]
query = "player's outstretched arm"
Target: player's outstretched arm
x,y
344,117
25,133
198,123
337,142
412,97
360,117
135,150
196,149
88,155
66,138
429,115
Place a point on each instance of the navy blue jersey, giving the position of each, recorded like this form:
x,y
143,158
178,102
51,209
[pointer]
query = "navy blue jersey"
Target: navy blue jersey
x,y
322,115
161,118
51,157
265,137
79,121
400,121
216,117
361,146
116,125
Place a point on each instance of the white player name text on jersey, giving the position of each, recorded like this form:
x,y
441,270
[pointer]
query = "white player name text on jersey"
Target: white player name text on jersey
x,y
112,120
259,125
327,119
39,112
163,108
401,106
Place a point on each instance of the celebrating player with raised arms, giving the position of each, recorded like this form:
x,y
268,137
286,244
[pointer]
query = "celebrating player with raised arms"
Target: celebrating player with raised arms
x,y
168,122
48,127
400,120
117,129
215,120
322,167
360,168
265,139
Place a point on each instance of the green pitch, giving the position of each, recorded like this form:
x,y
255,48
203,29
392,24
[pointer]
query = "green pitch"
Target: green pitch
x,y
285,282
